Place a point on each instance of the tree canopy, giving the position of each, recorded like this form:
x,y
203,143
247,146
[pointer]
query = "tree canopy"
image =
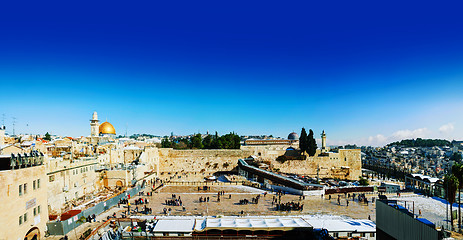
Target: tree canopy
x,y
47,137
303,141
312,144
227,141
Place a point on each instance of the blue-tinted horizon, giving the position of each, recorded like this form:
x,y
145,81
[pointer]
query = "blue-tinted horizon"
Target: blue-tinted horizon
x,y
366,73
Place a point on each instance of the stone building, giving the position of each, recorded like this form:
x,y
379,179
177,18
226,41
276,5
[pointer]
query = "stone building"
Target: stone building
x,y
70,180
23,190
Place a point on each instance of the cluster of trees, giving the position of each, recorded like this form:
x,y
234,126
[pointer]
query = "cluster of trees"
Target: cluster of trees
x,y
456,156
227,141
47,137
421,143
453,183
307,143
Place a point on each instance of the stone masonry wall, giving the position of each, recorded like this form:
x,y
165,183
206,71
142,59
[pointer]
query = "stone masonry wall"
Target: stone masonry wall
x,y
197,162
346,164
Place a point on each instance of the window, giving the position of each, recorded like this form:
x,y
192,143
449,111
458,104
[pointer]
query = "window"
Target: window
x,y
38,183
20,190
25,217
362,234
35,211
33,185
372,234
335,234
51,178
349,234
25,190
20,220
38,209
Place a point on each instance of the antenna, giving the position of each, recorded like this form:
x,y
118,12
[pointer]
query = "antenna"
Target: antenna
x,y
126,126
14,124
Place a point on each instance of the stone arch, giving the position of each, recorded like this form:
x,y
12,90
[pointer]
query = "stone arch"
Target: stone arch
x,y
31,233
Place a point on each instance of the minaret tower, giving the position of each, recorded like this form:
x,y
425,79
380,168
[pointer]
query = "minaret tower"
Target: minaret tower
x,y
323,141
94,124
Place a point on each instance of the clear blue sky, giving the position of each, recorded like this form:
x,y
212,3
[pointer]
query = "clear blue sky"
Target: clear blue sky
x,y
367,72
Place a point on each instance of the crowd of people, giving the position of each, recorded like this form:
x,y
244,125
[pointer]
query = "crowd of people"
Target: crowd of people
x,y
289,206
141,201
203,199
204,188
174,201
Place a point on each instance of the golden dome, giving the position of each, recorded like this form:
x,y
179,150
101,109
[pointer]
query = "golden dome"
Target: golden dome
x,y
106,128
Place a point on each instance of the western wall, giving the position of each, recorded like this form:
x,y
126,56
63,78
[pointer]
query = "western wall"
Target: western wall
x,y
179,165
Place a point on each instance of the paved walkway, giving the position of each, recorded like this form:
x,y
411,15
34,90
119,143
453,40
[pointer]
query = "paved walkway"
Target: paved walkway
x,y
229,205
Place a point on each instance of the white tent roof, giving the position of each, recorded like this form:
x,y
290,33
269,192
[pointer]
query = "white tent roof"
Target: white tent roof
x,y
174,225
251,223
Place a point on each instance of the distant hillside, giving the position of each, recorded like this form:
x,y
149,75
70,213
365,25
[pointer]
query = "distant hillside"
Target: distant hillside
x,y
421,143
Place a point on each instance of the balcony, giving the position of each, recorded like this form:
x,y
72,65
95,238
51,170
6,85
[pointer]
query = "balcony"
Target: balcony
x,y
20,161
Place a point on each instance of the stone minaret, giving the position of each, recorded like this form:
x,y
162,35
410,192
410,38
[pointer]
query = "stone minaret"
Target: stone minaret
x,y
323,141
94,124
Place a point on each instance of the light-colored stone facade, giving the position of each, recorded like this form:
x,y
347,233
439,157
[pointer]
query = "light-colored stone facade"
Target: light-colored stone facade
x,y
70,180
23,211
200,163
344,164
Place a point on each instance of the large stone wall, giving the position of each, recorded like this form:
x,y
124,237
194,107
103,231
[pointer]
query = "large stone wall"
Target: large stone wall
x,y
346,165
197,162
267,152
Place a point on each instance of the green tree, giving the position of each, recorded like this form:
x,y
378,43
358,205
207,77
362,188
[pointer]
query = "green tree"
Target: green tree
x,y
312,144
207,142
303,141
47,137
456,157
196,141
165,143
457,171
363,181
216,142
230,141
451,184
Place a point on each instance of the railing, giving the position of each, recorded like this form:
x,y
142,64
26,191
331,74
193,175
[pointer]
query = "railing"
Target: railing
x,y
198,183
63,227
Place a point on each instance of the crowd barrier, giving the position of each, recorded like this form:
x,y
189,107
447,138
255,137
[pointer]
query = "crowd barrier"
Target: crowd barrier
x,y
63,227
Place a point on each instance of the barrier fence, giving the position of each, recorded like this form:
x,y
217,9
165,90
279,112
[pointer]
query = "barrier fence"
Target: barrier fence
x,y
63,227
203,183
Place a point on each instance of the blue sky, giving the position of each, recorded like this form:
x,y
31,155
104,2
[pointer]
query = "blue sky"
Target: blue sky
x,y
365,72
